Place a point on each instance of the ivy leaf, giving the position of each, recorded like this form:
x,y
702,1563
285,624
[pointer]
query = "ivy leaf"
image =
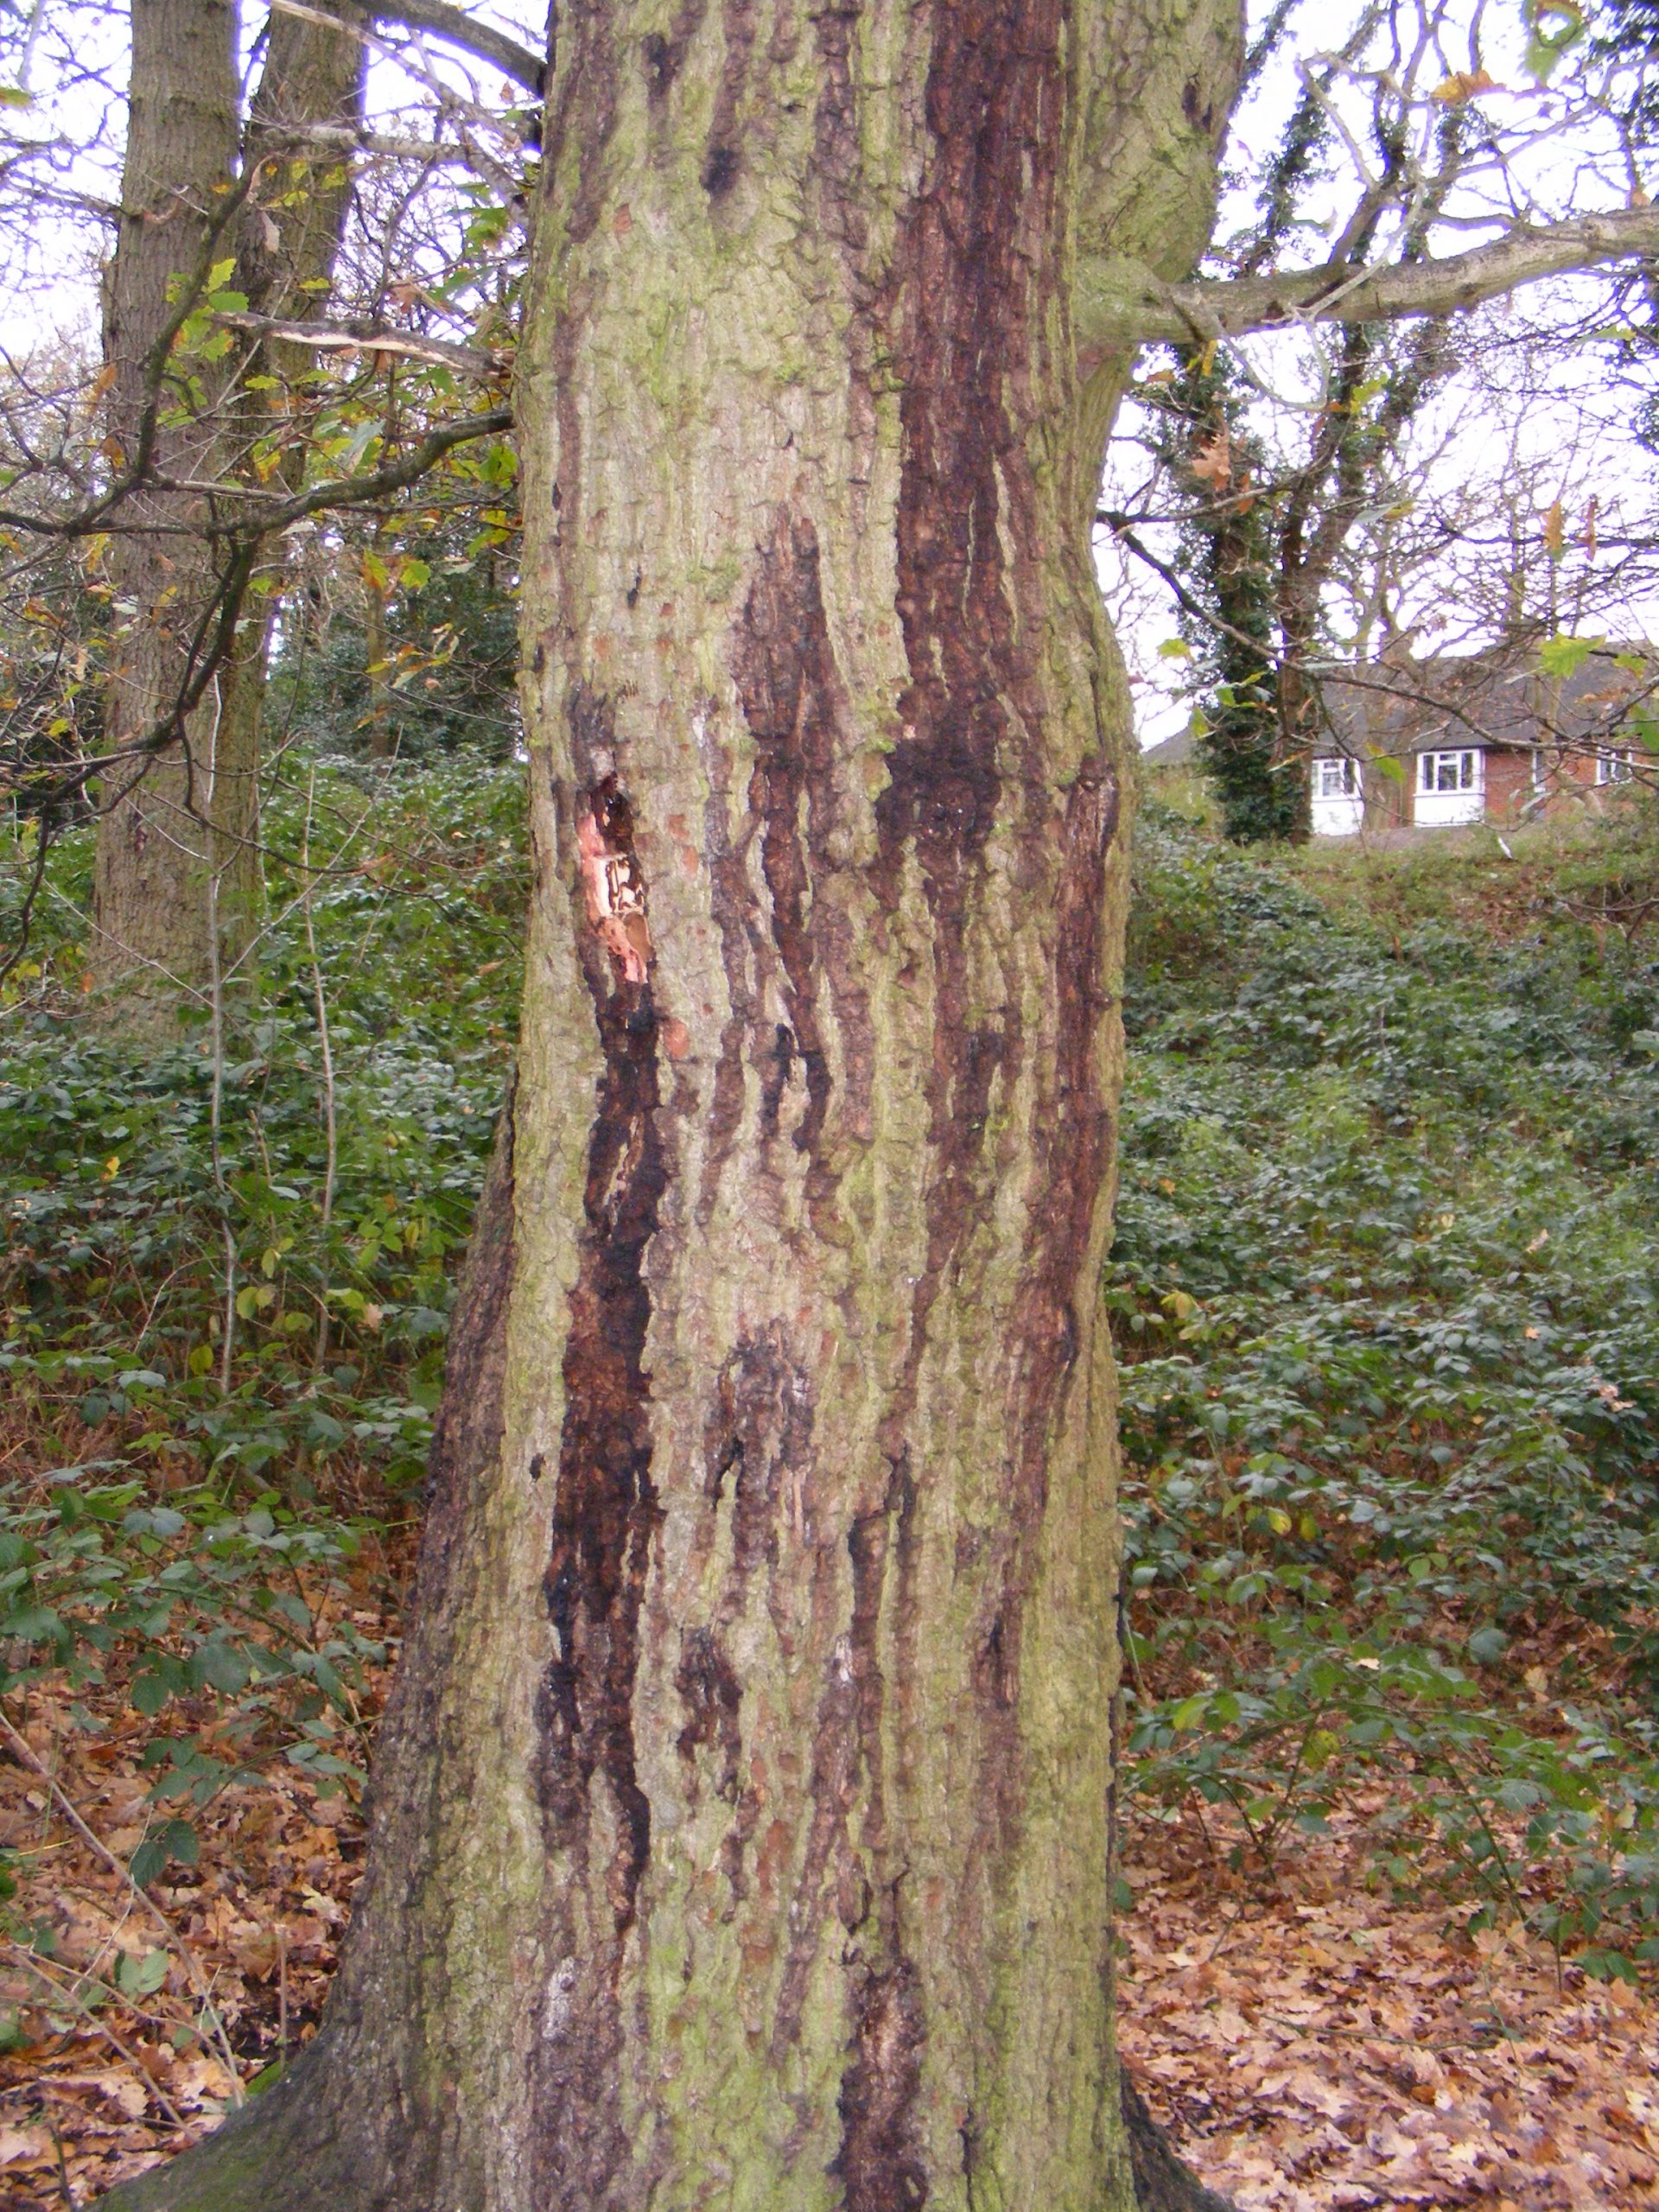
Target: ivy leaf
x,y
1563,657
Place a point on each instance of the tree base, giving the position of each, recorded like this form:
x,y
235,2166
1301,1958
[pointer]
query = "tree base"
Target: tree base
x,y
272,2157
1162,2184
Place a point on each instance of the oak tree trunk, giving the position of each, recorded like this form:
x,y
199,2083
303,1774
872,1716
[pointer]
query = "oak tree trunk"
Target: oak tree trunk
x,y
741,1831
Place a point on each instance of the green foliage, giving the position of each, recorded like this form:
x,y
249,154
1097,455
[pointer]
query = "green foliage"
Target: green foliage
x,y
1387,1281
236,1362
1229,556
452,649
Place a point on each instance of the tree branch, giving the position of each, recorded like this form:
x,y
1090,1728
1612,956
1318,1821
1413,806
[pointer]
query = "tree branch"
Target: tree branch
x,y
1121,303
369,338
456,28
357,491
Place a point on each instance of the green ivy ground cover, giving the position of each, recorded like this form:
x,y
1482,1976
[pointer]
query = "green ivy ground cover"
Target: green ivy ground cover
x,y
218,1375
1384,1282
1385,1279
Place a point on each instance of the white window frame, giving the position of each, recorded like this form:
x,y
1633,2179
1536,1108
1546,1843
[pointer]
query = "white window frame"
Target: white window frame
x,y
1614,767
1466,771
1345,784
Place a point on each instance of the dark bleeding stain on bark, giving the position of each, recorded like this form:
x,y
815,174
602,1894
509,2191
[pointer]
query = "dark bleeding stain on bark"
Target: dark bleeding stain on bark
x,y
835,131
759,1437
877,2162
973,582
722,156
757,1456
968,319
585,93
664,53
1075,1142
605,1507
786,682
712,1697
774,1077
729,899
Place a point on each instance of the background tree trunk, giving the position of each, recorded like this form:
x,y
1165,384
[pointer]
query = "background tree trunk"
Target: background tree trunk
x,y
287,242
180,890
150,935
741,1831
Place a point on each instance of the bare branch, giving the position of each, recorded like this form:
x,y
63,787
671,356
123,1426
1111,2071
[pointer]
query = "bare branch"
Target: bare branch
x,y
454,27
370,338
1121,303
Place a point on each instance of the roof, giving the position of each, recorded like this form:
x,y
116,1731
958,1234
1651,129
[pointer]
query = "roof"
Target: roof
x,y
1485,699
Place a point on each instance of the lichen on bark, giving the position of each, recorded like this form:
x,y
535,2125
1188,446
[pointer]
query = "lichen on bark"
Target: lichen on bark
x,y
742,1834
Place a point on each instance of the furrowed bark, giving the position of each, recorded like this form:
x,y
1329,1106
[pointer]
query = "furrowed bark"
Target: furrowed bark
x,y
742,1834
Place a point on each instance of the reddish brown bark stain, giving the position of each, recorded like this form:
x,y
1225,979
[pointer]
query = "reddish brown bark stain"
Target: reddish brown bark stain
x,y
784,669
713,1698
728,898
966,323
722,156
664,53
877,2161
606,1506
973,576
757,1439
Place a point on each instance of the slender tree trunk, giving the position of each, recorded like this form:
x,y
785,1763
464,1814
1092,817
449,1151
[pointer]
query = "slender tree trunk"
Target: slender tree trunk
x,y
180,890
376,651
150,949
741,1831
288,244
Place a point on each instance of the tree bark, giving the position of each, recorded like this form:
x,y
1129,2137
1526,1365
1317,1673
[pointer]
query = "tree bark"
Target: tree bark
x,y
179,891
740,1832
287,242
151,948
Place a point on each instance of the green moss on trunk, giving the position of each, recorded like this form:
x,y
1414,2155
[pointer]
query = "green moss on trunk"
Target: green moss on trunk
x,y
743,1832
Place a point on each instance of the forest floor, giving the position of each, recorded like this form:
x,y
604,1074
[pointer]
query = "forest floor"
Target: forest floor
x,y
1313,2045
1386,1292
1310,2043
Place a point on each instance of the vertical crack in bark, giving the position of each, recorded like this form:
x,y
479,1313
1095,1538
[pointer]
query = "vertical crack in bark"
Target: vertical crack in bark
x,y
606,1506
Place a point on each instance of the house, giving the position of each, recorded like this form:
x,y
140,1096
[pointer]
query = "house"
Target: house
x,y
1439,744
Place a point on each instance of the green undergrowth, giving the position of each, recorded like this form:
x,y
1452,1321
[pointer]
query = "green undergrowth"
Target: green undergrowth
x,y
219,1355
1386,1284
